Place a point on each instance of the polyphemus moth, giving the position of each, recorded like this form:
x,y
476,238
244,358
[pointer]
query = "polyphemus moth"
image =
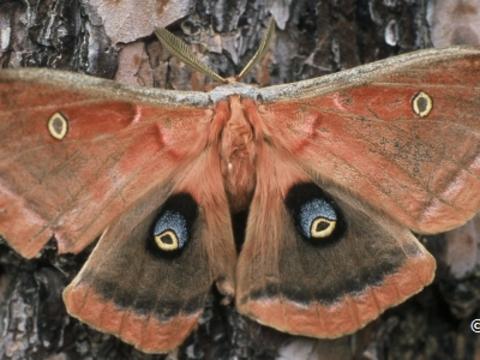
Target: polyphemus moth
x,y
335,172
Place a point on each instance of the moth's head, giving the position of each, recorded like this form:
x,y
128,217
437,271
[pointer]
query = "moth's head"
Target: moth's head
x,y
181,50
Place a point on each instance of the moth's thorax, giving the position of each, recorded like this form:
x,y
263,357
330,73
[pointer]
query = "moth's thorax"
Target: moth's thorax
x,y
237,153
226,91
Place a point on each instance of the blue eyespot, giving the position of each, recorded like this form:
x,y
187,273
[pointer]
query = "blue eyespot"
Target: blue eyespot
x,y
315,215
172,229
171,232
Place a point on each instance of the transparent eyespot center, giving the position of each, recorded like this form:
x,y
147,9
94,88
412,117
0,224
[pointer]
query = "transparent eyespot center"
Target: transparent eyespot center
x,y
422,104
322,228
58,126
167,241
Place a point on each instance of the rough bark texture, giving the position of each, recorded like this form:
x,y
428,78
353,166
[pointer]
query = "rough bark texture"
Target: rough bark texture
x,y
313,38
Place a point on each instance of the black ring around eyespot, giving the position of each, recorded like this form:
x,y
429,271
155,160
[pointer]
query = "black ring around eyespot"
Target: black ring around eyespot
x,y
304,192
185,206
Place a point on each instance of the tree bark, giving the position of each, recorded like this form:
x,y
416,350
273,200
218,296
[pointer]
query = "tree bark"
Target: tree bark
x,y
112,40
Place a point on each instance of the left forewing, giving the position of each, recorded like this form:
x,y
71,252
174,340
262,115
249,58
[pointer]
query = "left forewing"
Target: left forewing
x,y
77,151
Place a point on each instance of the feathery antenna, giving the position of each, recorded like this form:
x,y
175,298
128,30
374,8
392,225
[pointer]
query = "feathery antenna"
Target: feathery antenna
x,y
181,50
262,49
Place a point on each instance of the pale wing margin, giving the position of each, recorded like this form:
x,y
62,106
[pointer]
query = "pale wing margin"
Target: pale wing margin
x,y
105,87
361,74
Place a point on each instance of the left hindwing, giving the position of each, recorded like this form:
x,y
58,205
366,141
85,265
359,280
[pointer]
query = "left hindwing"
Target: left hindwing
x,y
148,278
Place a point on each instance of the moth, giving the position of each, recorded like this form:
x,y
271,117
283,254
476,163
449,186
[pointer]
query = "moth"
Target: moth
x,y
335,173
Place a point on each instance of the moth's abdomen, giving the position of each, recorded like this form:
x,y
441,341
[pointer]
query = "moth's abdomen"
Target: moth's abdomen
x,y
238,153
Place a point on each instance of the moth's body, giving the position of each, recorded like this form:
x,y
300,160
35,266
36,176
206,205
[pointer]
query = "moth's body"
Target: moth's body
x,y
335,173
237,130
237,148
223,92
